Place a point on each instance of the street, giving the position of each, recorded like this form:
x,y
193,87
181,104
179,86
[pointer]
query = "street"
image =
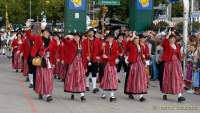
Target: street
x,y
16,97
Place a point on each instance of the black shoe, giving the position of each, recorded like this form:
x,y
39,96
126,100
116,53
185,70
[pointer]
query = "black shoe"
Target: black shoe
x,y
31,86
40,97
113,99
95,90
72,97
22,71
27,79
87,89
181,99
16,70
131,97
55,77
164,97
83,99
142,99
49,98
58,78
119,81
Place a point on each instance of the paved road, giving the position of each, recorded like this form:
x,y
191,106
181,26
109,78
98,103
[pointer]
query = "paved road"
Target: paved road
x,y
16,97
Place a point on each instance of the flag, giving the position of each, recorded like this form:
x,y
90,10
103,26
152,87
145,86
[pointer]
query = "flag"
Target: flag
x,y
77,5
144,4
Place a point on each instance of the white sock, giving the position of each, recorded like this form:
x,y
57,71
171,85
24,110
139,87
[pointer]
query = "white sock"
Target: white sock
x,y
94,82
141,96
103,93
112,94
82,94
3,50
87,82
47,95
30,76
180,95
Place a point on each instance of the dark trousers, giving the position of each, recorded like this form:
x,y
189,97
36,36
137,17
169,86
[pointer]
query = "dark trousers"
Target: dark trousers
x,y
32,70
121,64
126,79
95,68
160,68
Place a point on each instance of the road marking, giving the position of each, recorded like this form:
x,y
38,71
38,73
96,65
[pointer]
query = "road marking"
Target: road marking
x,y
27,95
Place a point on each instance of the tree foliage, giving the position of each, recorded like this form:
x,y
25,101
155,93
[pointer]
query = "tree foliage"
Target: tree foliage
x,y
18,10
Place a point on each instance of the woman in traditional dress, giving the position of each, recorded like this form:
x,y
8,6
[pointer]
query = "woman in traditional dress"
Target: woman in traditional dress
x,y
136,80
75,81
172,75
16,59
109,81
25,50
44,48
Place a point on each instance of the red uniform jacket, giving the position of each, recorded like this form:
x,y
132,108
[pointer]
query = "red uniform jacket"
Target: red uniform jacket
x,y
25,48
169,51
112,52
97,51
122,47
68,51
132,52
59,52
38,48
88,50
73,50
145,51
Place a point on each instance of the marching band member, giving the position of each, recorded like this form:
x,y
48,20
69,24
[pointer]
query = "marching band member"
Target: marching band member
x,y
75,81
136,79
90,59
109,80
24,49
172,75
145,54
16,58
43,79
57,58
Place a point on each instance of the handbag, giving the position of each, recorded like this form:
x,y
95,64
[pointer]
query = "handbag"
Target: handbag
x,y
37,61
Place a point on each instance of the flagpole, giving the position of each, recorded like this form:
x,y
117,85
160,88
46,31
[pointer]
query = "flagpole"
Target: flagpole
x,y
185,32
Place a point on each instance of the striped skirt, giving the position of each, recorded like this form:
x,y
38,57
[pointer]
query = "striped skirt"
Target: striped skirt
x,y
57,68
25,68
137,79
17,62
172,77
63,71
44,81
75,81
109,80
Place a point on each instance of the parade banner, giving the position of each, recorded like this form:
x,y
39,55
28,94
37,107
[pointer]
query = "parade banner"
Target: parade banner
x,y
108,2
78,5
144,4
75,16
141,15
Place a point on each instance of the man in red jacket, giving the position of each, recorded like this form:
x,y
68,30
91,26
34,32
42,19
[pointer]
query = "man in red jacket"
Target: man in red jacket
x,y
90,58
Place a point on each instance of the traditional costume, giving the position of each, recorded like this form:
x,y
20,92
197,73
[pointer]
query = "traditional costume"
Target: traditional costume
x,y
91,50
16,59
44,48
109,80
136,80
75,81
172,76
